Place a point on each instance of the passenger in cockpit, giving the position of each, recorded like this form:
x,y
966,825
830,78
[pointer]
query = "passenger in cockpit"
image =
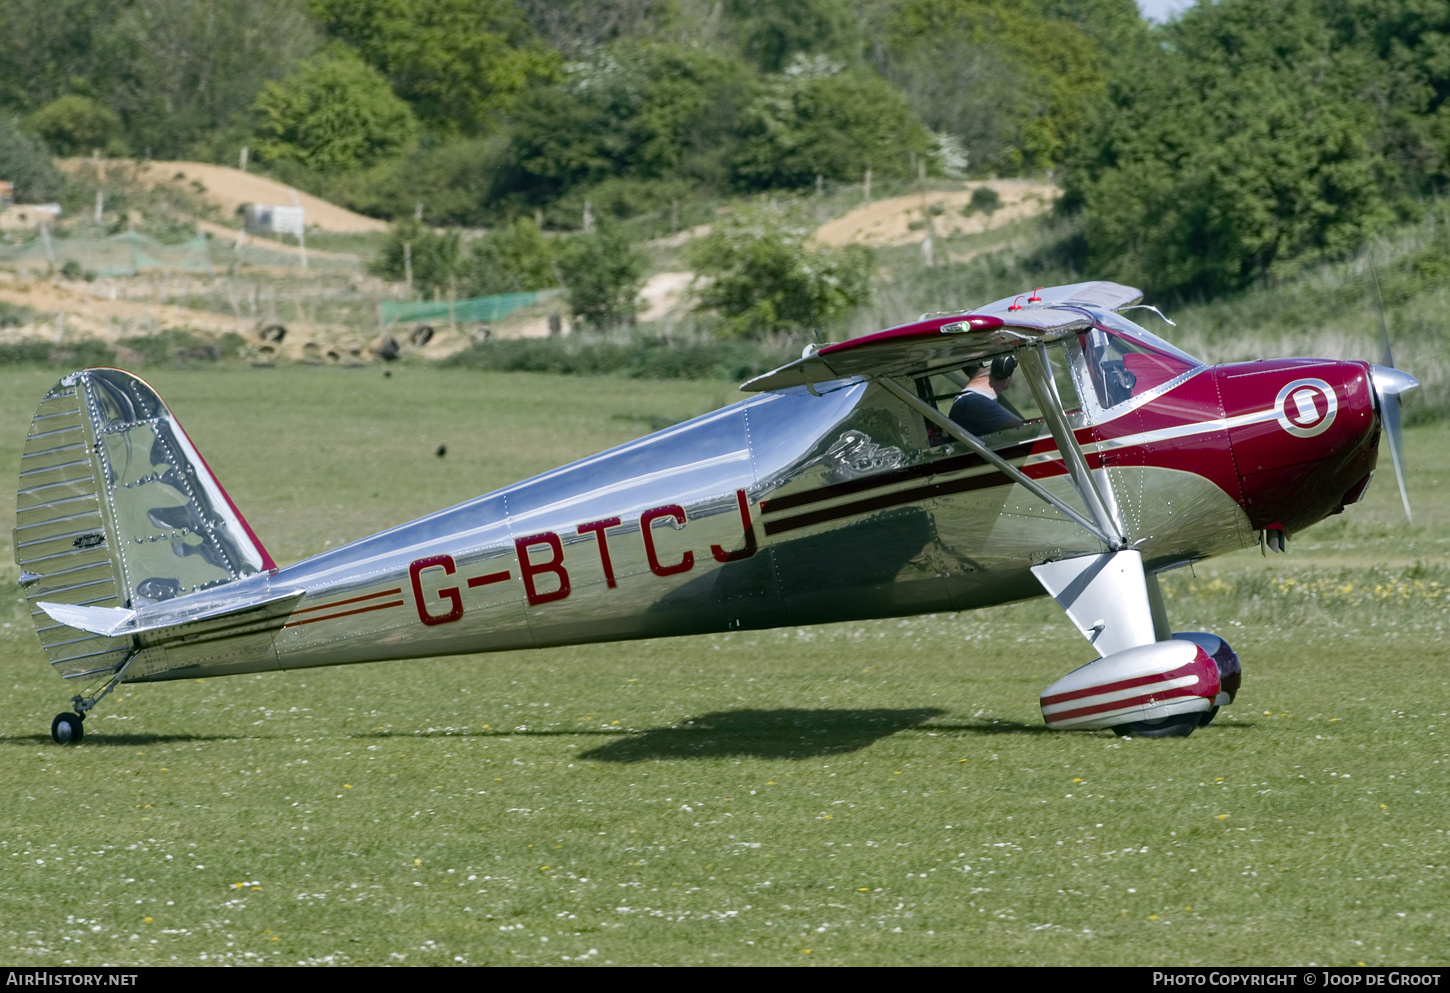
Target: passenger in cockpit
x,y
981,408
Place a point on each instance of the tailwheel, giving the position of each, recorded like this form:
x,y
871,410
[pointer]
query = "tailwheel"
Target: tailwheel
x,y
67,729
1176,726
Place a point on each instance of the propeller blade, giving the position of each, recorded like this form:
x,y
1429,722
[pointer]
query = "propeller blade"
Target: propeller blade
x,y
1389,383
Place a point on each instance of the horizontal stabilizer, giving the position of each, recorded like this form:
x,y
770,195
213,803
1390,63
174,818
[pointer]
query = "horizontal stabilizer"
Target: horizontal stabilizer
x,y
163,625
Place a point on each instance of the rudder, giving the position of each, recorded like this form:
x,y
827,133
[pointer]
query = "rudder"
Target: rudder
x,y
116,508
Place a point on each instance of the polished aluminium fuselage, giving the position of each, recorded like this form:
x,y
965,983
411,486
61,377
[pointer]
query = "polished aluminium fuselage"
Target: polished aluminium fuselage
x,y
797,507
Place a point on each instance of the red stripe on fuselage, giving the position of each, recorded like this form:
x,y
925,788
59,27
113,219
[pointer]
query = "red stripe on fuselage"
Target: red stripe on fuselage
x,y
341,603
345,613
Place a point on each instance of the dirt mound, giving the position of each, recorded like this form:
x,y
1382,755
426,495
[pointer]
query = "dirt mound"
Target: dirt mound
x,y
229,188
902,220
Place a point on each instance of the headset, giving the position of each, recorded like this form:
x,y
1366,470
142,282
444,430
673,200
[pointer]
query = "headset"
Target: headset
x,y
1003,366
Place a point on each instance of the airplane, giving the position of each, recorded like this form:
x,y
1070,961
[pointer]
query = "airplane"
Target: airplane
x,y
838,490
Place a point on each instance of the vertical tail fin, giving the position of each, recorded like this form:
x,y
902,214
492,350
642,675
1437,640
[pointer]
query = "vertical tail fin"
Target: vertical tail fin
x,y
116,509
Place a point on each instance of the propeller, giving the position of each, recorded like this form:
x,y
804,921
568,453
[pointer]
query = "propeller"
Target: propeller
x,y
1389,383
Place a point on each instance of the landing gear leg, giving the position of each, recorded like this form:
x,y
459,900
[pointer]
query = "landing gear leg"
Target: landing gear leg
x,y
69,728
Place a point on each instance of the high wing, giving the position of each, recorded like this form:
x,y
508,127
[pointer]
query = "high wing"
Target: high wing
x,y
953,340
1090,585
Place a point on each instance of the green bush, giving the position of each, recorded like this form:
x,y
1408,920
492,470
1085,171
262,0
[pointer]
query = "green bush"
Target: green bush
x,y
77,355
823,121
603,273
77,125
13,315
639,356
512,259
985,200
761,275
618,198
454,182
334,113
177,345
26,163
433,257
642,111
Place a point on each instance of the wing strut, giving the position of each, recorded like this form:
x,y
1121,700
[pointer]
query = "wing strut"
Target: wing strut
x,y
960,433
1039,378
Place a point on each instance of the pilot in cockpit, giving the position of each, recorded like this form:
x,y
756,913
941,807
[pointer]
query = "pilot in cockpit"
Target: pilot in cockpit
x,y
982,408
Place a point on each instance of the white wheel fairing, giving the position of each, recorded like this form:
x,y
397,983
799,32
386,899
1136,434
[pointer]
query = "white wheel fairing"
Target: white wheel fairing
x,y
1148,683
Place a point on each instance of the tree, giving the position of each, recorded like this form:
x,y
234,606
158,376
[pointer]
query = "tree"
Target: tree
x,y
334,113
26,163
758,270
603,274
512,259
454,181
641,111
771,33
78,125
575,27
180,72
1243,149
820,119
1015,84
432,258
47,47
458,63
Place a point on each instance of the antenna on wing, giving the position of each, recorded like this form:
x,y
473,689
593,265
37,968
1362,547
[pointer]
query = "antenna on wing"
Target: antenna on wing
x,y
1148,306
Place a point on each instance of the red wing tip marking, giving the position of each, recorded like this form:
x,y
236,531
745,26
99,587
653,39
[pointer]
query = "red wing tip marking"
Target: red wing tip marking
x,y
920,329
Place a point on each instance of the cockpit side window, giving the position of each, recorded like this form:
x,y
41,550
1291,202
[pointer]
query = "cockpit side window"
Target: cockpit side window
x,y
945,389
1120,368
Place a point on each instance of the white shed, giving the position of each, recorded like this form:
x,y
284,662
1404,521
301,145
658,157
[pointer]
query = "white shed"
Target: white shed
x,y
264,218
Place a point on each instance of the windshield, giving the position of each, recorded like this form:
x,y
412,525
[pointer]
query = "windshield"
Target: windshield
x,y
1124,362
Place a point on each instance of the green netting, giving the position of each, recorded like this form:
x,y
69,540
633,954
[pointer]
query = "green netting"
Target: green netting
x,y
481,309
123,254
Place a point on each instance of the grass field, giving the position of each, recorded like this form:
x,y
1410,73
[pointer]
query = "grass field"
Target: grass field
x,y
867,793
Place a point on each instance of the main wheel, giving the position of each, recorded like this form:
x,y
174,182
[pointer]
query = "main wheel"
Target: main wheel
x,y
67,729
1177,726
1206,718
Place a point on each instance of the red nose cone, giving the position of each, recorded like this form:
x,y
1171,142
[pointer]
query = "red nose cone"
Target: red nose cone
x,y
1304,434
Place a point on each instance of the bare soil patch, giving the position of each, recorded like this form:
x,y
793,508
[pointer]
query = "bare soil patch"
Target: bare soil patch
x,y
904,220
229,188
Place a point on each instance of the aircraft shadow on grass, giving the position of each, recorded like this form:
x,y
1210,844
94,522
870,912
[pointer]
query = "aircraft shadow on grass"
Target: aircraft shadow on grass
x,y
769,734
128,740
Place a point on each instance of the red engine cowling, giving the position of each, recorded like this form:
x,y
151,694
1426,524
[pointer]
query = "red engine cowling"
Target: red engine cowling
x,y
1153,690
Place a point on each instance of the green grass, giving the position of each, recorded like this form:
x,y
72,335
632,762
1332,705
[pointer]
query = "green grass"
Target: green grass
x,y
865,793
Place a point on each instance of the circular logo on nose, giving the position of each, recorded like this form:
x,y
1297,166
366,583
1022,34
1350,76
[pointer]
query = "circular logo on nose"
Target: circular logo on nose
x,y
1306,407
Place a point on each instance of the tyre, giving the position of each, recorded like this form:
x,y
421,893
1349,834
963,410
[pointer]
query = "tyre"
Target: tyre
x,y
67,729
1177,726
